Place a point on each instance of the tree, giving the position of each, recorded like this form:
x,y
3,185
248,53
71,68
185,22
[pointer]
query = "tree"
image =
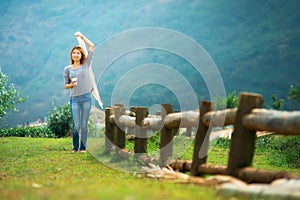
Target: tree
x,y
9,96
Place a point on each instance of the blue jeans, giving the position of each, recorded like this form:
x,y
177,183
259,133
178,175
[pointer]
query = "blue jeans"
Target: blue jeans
x,y
73,126
81,107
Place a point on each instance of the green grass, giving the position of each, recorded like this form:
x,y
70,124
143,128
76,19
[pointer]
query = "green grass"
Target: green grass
x,y
38,168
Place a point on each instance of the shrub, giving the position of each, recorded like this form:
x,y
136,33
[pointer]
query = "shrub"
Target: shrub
x,y
59,120
36,131
264,142
232,100
281,150
277,103
221,142
285,151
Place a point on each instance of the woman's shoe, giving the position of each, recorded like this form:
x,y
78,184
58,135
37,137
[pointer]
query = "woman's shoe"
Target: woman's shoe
x,y
82,151
74,151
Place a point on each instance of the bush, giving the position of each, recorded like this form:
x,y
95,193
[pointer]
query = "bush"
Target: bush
x,y
231,101
285,151
59,120
281,150
38,131
222,142
264,142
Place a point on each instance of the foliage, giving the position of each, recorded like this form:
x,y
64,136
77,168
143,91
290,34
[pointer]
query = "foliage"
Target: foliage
x,y
153,143
182,146
231,101
9,96
34,131
281,151
95,129
294,93
285,151
221,142
60,120
264,142
277,103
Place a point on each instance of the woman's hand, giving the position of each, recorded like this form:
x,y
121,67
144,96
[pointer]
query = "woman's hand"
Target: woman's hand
x,y
86,40
70,85
78,34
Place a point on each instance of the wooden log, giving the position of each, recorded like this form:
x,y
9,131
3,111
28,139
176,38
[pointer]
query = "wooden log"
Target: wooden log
x,y
182,119
251,175
130,130
220,118
119,133
202,139
152,123
112,119
247,174
140,140
108,130
281,122
114,128
119,105
212,169
123,153
166,136
242,139
147,159
127,121
186,165
181,165
189,131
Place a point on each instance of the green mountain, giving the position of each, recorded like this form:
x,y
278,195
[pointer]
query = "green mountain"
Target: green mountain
x,y
255,46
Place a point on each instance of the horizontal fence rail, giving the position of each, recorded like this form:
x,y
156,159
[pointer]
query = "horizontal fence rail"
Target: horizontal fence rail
x,y
281,122
220,118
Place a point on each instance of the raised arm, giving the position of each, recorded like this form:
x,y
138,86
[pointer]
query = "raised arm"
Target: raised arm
x,y
85,40
81,43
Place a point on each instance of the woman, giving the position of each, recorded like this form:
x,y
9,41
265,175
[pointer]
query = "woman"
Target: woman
x,y
77,79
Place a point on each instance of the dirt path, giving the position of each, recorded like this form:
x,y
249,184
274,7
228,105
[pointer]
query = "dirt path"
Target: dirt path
x,y
226,133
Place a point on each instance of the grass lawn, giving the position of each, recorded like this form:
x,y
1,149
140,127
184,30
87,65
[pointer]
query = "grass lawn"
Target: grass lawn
x,y
41,168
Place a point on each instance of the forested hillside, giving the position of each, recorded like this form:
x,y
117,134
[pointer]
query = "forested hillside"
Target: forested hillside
x,y
255,46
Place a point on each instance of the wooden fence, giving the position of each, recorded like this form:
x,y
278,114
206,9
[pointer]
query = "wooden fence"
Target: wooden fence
x,y
247,119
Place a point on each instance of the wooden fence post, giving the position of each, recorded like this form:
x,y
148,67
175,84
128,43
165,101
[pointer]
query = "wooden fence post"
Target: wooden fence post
x,y
243,140
140,139
201,139
166,136
189,131
119,133
130,130
108,130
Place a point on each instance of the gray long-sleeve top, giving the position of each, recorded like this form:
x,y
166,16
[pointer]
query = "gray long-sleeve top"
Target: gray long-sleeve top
x,y
82,74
